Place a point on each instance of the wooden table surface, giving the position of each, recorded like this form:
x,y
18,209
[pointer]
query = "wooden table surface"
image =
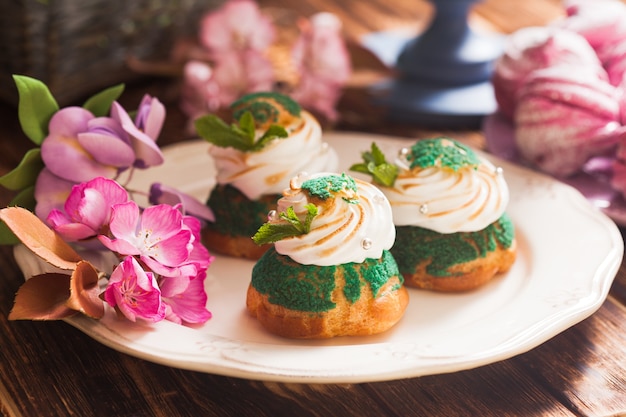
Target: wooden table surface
x,y
52,369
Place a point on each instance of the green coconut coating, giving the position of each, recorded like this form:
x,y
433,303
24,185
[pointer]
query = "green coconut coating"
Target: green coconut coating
x,y
235,214
309,288
415,245
442,152
264,106
324,187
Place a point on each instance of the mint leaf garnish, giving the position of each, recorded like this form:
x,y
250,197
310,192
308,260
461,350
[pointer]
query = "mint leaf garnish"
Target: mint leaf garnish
x,y
240,136
375,164
293,226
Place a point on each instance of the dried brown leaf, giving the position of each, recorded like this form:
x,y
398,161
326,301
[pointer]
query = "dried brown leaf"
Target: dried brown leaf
x,y
42,297
84,291
39,238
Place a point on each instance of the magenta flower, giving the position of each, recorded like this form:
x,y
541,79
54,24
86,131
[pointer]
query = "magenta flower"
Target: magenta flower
x,y
199,255
237,25
80,147
185,299
87,210
134,292
144,131
158,236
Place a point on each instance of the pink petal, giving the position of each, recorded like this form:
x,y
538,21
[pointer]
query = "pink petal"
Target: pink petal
x,y
172,251
111,190
119,245
124,220
162,220
188,305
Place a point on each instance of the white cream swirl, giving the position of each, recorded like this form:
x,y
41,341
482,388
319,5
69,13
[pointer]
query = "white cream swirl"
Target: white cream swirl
x,y
350,225
269,170
447,201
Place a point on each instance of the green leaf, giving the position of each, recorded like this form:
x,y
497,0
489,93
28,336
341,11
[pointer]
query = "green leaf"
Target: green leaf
x,y
273,232
25,199
239,136
100,104
385,174
376,165
36,107
25,174
214,130
7,237
378,157
247,125
273,132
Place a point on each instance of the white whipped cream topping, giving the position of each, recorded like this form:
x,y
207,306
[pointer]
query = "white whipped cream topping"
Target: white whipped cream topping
x,y
269,170
342,231
447,201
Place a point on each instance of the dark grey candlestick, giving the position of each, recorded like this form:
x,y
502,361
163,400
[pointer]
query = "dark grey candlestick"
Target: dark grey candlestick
x,y
443,74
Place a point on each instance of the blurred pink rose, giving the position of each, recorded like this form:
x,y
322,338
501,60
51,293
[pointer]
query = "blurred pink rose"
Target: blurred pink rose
x,y
236,26
323,63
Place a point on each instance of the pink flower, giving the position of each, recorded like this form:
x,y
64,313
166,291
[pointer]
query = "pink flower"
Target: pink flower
x,y
158,236
185,299
87,210
198,255
236,26
236,73
199,92
80,147
322,59
144,131
134,292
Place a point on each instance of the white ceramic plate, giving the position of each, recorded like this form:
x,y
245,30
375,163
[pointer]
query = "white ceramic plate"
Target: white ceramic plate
x,y
569,253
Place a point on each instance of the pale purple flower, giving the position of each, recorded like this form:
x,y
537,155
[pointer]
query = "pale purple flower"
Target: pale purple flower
x,y
237,25
185,299
87,210
158,236
51,192
80,147
135,292
163,194
143,131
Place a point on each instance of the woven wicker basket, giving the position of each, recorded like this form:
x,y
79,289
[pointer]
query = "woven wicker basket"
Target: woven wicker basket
x,y
78,47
